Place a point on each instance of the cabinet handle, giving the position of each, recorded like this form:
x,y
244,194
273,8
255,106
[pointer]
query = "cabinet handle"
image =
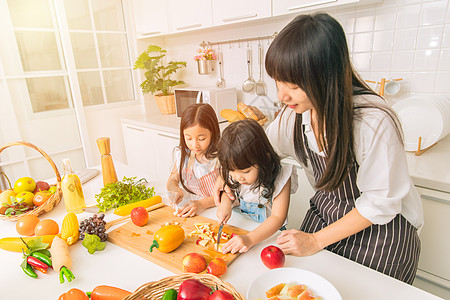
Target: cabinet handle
x,y
239,17
311,4
175,137
135,128
188,26
432,198
150,33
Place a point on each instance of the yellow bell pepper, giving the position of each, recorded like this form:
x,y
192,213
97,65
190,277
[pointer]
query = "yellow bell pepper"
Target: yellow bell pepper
x,y
125,210
15,244
168,238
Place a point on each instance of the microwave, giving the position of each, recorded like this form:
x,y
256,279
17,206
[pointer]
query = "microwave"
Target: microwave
x,y
218,98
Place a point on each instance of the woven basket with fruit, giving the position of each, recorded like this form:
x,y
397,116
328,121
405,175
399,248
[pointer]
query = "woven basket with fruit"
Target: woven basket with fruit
x,y
187,286
28,196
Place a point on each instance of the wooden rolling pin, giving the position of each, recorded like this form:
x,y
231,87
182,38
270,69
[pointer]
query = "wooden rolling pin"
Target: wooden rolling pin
x,y
119,220
108,170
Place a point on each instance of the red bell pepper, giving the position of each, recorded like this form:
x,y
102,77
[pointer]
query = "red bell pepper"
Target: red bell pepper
x,y
192,289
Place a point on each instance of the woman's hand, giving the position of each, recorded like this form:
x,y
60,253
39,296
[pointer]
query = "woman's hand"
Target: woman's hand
x,y
218,188
239,243
298,243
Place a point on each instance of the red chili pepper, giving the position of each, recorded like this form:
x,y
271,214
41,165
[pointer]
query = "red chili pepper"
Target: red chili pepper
x,y
36,262
41,269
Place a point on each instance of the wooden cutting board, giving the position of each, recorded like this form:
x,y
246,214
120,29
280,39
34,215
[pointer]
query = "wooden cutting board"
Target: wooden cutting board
x,y
138,239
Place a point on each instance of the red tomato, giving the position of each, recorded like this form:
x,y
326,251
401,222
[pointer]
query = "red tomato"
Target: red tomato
x,y
192,289
221,295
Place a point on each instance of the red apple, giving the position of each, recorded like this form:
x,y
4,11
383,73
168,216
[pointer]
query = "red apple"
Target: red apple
x,y
41,186
221,295
272,257
217,267
139,216
193,263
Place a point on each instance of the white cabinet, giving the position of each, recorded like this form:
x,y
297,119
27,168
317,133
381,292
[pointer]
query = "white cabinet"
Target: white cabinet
x,y
150,17
434,262
299,202
283,7
188,15
150,151
232,11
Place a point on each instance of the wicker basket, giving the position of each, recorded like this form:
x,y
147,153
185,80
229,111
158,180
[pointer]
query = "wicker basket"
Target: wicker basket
x,y
166,104
50,203
156,289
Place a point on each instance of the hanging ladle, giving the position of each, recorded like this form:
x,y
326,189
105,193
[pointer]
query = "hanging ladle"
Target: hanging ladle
x,y
221,81
260,86
249,84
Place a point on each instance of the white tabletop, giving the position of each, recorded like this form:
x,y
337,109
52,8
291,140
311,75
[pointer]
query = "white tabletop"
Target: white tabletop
x,y
118,267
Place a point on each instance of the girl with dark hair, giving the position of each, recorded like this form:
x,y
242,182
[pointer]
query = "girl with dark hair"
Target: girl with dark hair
x,y
349,142
195,167
252,170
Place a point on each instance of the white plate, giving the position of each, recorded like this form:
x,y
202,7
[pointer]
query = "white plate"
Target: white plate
x,y
420,118
319,286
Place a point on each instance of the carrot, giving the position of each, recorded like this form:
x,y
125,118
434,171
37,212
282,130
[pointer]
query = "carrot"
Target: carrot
x,y
105,292
61,259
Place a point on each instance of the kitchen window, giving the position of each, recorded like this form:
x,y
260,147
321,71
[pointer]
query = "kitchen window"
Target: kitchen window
x,y
62,56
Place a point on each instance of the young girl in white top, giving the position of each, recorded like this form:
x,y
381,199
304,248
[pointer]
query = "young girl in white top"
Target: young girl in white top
x,y
252,169
195,167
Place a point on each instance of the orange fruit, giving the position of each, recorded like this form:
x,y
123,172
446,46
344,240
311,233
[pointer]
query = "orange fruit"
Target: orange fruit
x,y
26,225
47,226
273,291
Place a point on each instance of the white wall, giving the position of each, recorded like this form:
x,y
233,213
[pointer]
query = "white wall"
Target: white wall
x,y
407,39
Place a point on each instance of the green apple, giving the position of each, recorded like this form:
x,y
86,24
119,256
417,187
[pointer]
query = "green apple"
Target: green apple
x,y
26,197
52,189
24,184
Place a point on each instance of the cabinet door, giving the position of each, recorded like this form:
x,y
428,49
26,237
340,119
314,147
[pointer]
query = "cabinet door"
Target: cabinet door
x,y
232,11
187,15
282,7
140,149
299,202
150,17
435,235
166,142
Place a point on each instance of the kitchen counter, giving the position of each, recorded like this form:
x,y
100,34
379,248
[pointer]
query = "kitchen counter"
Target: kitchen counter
x,y
118,267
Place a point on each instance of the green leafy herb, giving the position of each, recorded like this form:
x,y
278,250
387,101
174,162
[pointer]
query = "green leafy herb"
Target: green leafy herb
x,y
123,192
93,243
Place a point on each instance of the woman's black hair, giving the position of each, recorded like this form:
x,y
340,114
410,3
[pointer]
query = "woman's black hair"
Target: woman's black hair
x,y
311,52
201,114
244,144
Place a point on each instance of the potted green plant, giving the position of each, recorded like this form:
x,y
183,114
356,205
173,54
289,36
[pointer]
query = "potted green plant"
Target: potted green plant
x,y
158,80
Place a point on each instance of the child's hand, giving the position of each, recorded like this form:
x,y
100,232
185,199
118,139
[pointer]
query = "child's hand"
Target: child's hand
x,y
175,197
192,209
239,243
223,213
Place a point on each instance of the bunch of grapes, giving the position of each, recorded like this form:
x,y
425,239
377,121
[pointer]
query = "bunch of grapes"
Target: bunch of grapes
x,y
94,225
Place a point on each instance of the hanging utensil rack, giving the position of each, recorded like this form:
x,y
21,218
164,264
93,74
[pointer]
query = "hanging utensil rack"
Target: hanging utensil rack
x,y
243,40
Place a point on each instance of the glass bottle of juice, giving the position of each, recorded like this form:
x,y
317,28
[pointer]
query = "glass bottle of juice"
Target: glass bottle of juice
x,y
72,190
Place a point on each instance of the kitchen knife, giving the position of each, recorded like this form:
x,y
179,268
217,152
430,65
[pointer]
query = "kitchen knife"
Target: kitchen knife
x,y
219,234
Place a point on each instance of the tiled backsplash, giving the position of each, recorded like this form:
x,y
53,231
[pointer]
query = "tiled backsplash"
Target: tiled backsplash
x,y
408,39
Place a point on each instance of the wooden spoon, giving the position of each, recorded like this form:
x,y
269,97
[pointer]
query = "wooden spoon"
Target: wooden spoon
x,y
119,220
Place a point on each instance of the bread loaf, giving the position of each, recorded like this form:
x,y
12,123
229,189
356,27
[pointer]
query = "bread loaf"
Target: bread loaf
x,y
247,111
231,115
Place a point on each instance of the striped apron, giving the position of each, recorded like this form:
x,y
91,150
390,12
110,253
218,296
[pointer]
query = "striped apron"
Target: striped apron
x,y
202,186
392,249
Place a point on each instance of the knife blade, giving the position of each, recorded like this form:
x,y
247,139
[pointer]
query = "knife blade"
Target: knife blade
x,y
219,234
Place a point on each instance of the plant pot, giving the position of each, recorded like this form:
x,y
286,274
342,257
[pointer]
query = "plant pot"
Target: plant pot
x,y
166,104
205,66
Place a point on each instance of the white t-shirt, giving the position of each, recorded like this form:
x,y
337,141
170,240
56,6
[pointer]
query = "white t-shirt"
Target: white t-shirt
x,y
383,179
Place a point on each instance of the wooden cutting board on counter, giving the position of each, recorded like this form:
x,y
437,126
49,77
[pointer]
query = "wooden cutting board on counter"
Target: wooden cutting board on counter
x,y
139,239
